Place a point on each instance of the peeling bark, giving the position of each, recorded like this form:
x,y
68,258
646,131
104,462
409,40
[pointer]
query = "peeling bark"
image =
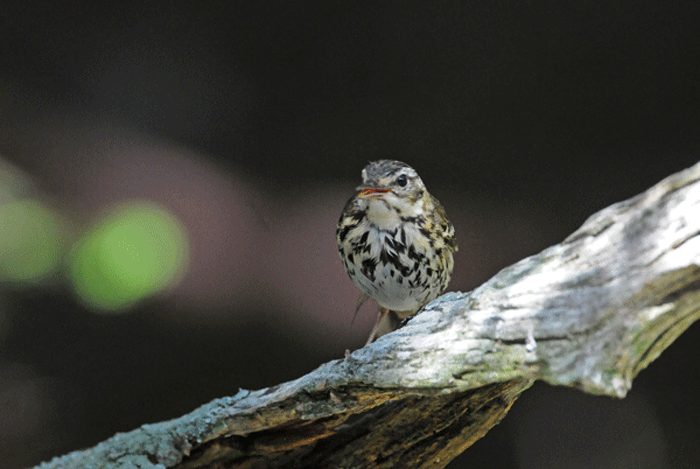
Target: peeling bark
x,y
589,313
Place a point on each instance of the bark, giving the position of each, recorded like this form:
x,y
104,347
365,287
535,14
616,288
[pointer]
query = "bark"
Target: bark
x,y
589,313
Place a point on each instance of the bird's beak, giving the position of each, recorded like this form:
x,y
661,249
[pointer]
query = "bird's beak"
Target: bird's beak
x,y
372,191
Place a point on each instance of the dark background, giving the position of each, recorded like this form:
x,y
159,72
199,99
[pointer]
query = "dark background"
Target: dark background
x,y
252,122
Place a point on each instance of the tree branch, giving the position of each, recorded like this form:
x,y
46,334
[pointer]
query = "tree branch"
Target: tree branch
x,y
589,313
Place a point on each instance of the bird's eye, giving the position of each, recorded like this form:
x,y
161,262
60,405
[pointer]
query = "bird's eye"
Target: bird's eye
x,y
401,180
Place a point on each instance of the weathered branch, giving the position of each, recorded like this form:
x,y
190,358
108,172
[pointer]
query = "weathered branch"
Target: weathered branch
x,y
589,313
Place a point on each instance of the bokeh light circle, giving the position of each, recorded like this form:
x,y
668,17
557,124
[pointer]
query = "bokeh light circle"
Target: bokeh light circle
x,y
30,241
137,250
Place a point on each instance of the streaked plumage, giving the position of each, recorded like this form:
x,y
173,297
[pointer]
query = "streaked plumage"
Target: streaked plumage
x,y
396,242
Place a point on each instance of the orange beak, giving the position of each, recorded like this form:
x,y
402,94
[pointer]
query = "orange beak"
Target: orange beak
x,y
372,191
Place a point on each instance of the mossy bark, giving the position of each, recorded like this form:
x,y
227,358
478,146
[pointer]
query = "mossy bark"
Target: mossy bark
x,y
589,313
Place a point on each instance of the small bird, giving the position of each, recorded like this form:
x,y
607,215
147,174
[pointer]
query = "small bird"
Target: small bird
x,y
396,243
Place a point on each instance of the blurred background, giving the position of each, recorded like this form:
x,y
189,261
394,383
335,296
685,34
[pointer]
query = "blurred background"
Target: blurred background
x,y
171,175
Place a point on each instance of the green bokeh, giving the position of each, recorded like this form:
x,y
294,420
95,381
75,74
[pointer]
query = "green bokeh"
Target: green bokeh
x,y
138,250
30,241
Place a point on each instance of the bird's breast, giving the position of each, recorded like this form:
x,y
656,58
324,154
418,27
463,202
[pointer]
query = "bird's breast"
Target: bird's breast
x,y
382,215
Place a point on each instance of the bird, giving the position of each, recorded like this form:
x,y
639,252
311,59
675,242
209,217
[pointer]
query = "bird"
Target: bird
x,y
396,243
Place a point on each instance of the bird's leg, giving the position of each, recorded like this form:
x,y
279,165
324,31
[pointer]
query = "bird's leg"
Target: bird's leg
x,y
363,297
383,312
387,321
